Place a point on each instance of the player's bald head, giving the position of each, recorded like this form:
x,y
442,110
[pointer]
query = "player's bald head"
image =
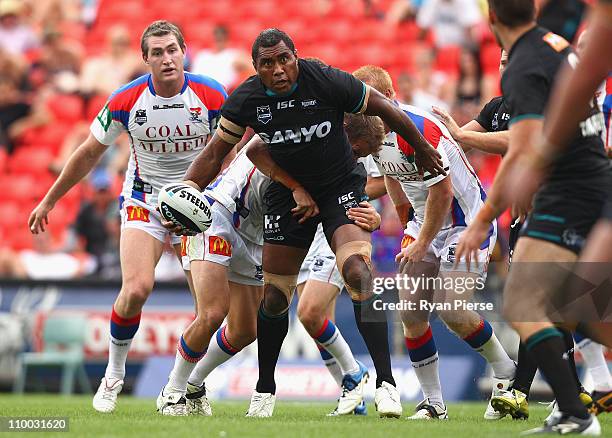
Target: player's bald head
x,y
512,13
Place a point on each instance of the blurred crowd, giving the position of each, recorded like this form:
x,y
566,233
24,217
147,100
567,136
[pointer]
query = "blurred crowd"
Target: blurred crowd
x,y
60,59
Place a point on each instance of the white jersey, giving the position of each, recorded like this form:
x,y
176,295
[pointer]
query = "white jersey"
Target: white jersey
x,y
396,160
166,133
240,188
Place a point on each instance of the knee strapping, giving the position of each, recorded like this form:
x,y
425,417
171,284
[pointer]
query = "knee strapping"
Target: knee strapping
x,y
284,283
359,248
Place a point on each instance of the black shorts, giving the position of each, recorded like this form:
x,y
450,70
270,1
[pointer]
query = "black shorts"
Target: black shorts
x,y
607,210
515,232
565,212
281,228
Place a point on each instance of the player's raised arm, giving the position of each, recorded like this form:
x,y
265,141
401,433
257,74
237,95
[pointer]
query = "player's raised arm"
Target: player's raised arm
x,y
260,156
80,163
427,158
473,136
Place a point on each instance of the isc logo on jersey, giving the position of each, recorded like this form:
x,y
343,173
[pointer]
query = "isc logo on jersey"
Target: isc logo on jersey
x,y
305,135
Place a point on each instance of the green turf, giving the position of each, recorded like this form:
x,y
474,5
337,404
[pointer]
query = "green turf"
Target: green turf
x,y
137,418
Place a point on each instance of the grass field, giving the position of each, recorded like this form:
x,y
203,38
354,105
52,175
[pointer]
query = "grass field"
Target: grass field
x,y
137,418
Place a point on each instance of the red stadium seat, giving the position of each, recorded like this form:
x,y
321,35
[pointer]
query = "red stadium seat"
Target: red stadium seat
x,y
3,159
94,105
31,159
67,107
489,58
18,238
12,214
447,59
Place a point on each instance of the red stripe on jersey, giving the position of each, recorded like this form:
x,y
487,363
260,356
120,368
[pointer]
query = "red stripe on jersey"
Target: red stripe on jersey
x,y
125,100
432,133
211,98
405,146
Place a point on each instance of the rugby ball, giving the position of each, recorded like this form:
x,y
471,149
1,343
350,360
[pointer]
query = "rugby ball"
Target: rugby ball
x,y
186,206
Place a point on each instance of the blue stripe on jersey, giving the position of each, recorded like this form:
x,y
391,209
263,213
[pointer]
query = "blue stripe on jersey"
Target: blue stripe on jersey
x,y
213,114
487,241
140,196
138,81
121,116
457,214
419,121
150,85
209,82
607,109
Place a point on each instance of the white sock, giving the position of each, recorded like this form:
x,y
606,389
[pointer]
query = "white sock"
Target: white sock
x,y
484,341
122,331
331,364
426,371
184,363
117,355
494,353
595,361
330,338
219,351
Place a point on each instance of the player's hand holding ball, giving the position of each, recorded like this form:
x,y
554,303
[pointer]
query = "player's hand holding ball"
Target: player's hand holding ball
x,y
184,210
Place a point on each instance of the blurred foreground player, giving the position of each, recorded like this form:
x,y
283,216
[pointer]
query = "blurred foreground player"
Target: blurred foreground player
x,y
570,103
168,114
564,210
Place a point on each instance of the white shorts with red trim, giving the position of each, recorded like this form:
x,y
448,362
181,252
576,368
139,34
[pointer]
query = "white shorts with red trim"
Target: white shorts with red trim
x,y
442,248
320,263
140,216
223,244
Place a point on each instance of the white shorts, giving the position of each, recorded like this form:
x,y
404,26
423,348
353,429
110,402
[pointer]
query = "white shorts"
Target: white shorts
x,y
223,244
135,214
320,263
442,248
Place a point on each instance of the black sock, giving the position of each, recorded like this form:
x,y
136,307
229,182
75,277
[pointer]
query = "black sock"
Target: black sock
x,y
568,339
525,370
372,325
547,347
271,332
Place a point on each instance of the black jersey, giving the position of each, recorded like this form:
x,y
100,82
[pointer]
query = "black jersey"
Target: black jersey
x,y
303,129
533,63
495,115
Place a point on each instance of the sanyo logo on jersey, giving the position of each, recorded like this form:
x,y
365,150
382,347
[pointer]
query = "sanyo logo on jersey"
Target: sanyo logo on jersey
x,y
299,135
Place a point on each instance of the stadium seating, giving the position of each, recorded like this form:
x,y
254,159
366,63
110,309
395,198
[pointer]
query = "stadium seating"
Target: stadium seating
x,y
63,338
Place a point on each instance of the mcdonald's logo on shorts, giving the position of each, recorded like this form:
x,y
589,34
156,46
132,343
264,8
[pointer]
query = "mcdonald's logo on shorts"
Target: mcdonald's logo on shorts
x,y
218,245
135,213
184,246
407,240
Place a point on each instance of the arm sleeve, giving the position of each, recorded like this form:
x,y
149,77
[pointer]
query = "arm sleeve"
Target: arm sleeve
x,y
486,115
349,92
527,95
107,125
232,126
370,166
